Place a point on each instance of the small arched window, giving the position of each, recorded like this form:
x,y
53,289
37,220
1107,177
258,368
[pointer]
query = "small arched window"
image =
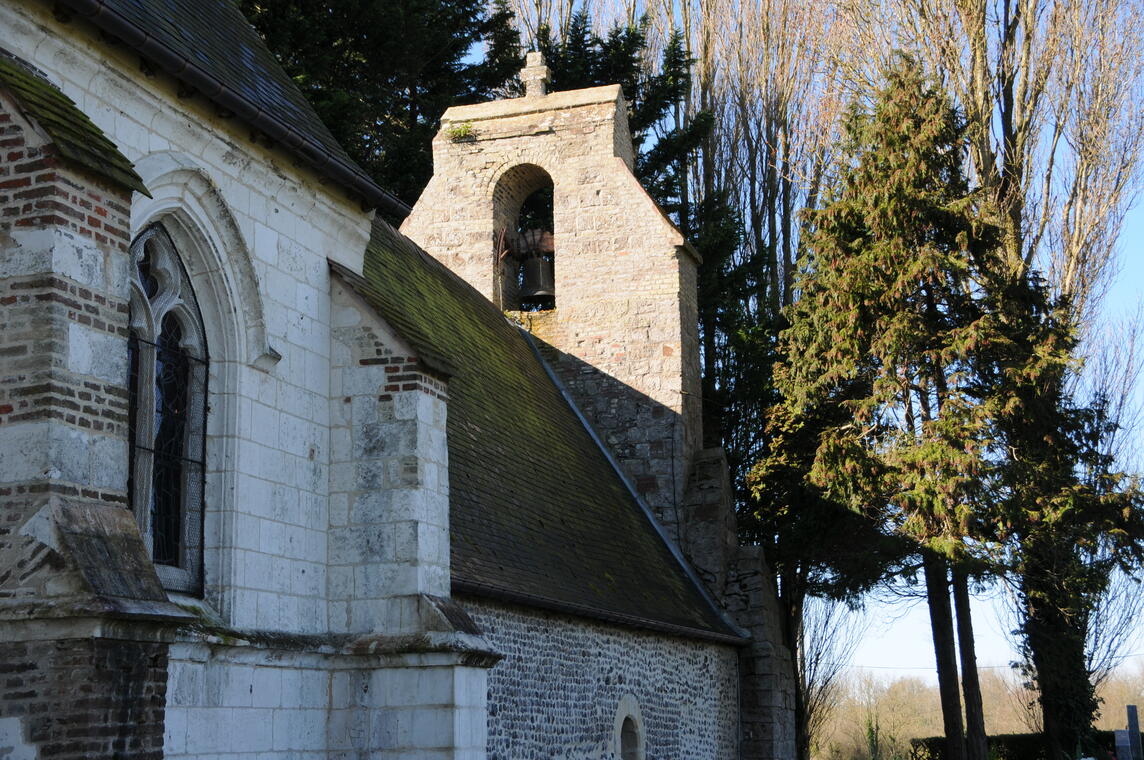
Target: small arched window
x,y
628,734
629,740
167,410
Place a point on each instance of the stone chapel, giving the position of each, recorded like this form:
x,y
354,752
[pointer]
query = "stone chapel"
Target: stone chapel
x,y
278,480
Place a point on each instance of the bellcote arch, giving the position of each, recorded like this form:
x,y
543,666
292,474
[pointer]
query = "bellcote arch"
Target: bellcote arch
x,y
523,205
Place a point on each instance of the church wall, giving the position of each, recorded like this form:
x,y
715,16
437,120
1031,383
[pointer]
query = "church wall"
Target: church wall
x,y
271,700
63,318
69,689
266,673
562,680
231,700
112,708
263,676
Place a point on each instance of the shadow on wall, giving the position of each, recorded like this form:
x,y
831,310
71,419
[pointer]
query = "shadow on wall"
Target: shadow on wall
x,y
646,439
688,491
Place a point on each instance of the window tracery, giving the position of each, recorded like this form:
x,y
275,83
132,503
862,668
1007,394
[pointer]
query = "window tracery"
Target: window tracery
x,y
167,402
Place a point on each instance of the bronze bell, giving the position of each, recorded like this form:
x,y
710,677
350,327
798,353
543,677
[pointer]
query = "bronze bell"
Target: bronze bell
x,y
537,279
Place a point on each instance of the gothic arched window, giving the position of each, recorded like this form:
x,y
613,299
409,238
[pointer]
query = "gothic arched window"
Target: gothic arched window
x,y
167,402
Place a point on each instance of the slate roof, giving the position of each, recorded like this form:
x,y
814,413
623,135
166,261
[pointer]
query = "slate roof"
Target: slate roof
x,y
210,46
538,515
74,135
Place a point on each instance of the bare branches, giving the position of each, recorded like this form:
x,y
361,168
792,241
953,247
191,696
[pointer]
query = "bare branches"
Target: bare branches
x,y
1051,91
829,634
1115,626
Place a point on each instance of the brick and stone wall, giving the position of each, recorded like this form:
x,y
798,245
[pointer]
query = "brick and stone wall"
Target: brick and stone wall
x,y
112,705
63,310
69,550
557,690
255,233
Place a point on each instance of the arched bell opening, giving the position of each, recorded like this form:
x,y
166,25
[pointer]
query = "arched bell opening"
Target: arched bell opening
x,y
526,241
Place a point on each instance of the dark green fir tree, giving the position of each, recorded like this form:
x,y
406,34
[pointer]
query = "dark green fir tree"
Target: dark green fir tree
x,y
381,72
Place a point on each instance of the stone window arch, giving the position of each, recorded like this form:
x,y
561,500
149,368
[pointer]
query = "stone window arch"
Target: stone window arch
x,y
523,218
628,735
167,402
220,264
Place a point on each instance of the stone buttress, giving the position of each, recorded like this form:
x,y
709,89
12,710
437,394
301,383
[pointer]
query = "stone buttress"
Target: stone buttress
x,y
84,622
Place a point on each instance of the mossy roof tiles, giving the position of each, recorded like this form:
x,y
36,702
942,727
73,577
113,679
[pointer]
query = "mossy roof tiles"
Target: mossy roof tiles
x,y
538,514
74,135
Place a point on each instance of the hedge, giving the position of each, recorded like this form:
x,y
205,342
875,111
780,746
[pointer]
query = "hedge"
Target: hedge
x,y
1012,747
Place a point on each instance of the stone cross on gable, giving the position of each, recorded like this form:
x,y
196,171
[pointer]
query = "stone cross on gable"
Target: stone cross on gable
x,y
534,75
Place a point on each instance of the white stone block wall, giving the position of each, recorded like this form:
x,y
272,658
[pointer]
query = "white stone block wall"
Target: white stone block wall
x,y
245,702
556,693
433,710
258,703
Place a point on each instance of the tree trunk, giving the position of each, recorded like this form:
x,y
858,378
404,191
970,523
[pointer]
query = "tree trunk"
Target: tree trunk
x,y
945,653
1055,633
976,745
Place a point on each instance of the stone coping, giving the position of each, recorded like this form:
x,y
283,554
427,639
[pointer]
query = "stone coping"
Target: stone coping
x,y
556,101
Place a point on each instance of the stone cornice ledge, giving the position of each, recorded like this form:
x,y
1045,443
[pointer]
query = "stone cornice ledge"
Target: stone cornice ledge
x,y
556,101
122,619
431,648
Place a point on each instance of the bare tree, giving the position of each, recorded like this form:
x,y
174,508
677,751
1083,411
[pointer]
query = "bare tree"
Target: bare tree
x,y
1051,92
1115,626
829,634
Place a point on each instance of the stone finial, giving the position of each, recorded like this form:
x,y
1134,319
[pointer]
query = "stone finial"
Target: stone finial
x,y
534,75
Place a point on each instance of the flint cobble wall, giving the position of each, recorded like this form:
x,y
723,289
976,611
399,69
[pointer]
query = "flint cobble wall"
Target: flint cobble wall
x,y
556,692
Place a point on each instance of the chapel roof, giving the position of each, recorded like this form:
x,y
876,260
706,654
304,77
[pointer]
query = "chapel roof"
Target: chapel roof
x,y
72,133
538,515
211,47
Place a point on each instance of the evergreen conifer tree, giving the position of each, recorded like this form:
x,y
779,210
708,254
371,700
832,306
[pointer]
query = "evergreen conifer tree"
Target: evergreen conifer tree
x,y
876,375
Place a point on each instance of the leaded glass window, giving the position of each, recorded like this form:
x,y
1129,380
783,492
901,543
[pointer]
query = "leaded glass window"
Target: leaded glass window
x,y
168,387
